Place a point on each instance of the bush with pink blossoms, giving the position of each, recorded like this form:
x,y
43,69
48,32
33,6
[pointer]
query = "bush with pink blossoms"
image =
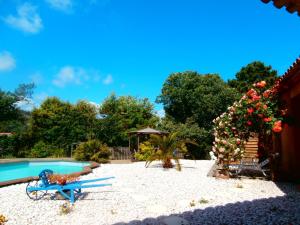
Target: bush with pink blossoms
x,y
257,111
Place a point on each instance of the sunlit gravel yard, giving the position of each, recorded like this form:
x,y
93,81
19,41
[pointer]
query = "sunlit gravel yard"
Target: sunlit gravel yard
x,y
142,195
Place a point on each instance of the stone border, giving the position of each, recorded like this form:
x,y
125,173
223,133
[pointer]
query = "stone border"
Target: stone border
x,y
86,170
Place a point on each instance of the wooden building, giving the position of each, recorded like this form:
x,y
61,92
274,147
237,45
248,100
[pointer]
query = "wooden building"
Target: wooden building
x,y
288,144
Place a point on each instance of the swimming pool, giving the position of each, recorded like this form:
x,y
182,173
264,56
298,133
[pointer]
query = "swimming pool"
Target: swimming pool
x,y
17,170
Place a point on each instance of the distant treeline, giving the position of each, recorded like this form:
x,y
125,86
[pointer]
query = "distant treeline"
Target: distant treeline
x,y
191,101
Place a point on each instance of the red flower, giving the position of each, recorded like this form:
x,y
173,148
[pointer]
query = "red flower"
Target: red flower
x,y
277,129
261,84
258,105
255,97
267,93
260,115
249,123
278,123
265,106
277,126
250,110
251,92
268,119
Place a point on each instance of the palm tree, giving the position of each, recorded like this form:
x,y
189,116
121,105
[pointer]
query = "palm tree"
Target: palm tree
x,y
165,149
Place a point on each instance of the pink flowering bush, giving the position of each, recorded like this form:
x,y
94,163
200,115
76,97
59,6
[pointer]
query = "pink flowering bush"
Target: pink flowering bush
x,y
257,111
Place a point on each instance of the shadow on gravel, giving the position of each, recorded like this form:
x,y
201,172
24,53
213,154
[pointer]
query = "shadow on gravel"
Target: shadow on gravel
x,y
283,210
161,167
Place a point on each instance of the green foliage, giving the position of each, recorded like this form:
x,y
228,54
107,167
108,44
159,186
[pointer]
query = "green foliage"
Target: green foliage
x,y
8,109
191,131
57,153
192,96
253,73
146,150
61,123
12,118
192,203
122,114
42,150
203,201
191,101
164,148
92,150
6,146
102,156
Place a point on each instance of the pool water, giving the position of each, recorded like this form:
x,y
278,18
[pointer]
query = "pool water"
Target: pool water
x,y
17,170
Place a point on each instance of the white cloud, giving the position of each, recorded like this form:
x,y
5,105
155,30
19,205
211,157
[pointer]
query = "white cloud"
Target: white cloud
x,y
79,76
7,61
62,5
27,104
70,75
161,113
108,79
96,105
27,19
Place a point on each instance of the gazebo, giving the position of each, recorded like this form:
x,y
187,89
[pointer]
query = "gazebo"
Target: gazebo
x,y
143,132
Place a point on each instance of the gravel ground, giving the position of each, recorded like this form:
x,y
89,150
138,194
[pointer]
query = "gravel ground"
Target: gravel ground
x,y
142,195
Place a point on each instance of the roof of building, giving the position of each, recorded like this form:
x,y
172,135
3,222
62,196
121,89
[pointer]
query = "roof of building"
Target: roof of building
x,y
147,130
5,134
290,5
290,77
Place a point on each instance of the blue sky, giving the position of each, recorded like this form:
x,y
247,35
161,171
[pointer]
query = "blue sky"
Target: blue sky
x,y
87,49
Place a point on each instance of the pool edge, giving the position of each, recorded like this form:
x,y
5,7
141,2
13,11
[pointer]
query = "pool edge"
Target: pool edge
x,y
86,170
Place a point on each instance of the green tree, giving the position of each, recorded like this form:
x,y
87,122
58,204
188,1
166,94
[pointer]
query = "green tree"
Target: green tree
x,y
12,118
122,114
253,73
196,97
61,124
190,130
191,102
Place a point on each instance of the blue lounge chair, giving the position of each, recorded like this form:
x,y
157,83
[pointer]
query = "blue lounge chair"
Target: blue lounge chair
x,y
38,189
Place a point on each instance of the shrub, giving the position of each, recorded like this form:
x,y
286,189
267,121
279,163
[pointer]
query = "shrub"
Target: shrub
x,y
92,150
167,146
146,150
40,150
43,150
57,153
102,156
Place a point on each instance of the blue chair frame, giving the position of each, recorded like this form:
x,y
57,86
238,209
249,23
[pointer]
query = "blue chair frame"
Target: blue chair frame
x,y
70,190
